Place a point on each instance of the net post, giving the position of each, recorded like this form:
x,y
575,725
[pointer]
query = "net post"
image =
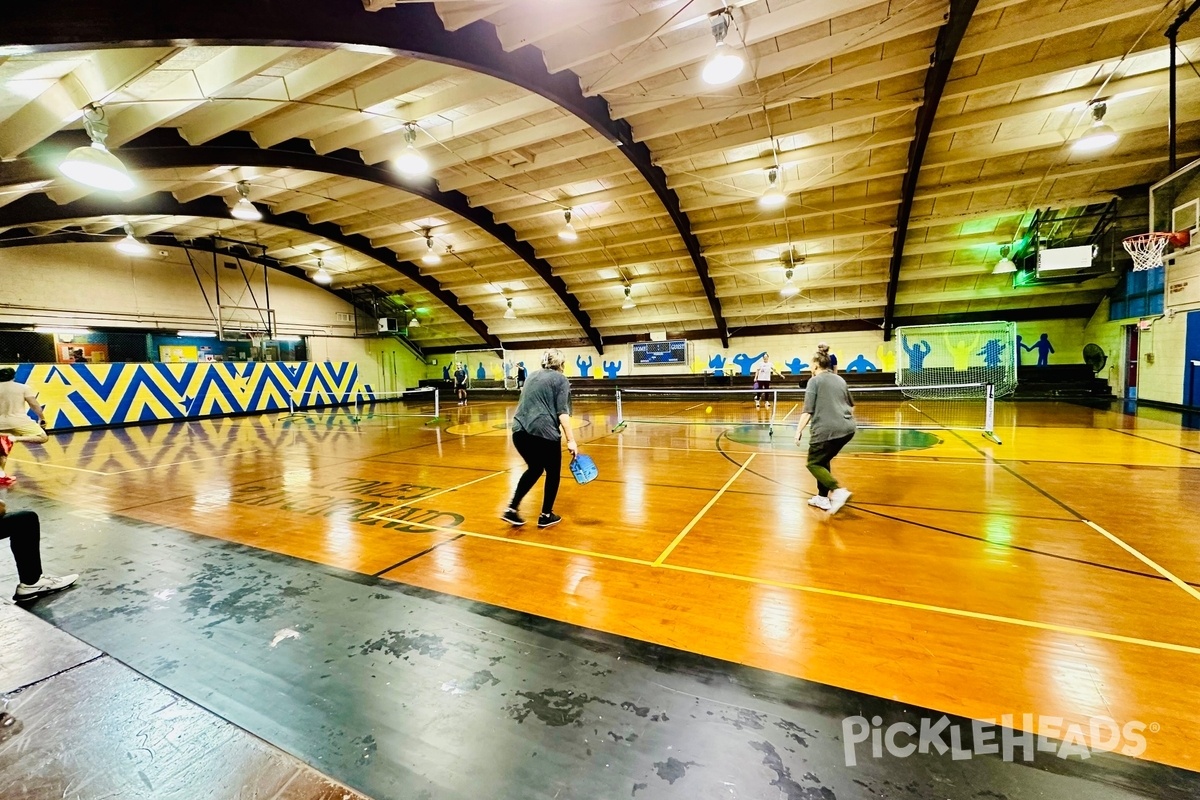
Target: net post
x,y
620,414
437,408
774,409
989,424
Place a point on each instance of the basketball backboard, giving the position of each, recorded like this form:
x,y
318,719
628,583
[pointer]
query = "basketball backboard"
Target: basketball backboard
x,y
1175,202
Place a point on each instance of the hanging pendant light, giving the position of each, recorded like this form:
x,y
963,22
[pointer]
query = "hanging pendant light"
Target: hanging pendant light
x,y
1005,265
414,322
322,275
431,257
93,165
130,246
411,162
1098,136
509,313
243,209
628,304
773,197
790,289
724,64
568,234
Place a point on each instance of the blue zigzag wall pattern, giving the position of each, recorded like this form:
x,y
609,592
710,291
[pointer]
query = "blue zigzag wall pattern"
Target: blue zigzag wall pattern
x,y
85,395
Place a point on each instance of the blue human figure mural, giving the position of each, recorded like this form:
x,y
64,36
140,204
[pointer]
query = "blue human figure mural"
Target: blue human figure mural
x,y
507,369
991,352
860,364
585,367
611,368
916,353
481,373
446,372
717,365
795,366
745,362
1044,349
1022,348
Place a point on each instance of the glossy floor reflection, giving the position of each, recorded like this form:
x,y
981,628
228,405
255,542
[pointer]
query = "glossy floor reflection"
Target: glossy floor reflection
x,y
977,579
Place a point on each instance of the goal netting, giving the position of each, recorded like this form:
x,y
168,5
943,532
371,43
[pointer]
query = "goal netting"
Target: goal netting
x,y
486,369
956,361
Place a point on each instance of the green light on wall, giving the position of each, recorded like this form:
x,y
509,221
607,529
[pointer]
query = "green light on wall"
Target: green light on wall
x,y
1023,278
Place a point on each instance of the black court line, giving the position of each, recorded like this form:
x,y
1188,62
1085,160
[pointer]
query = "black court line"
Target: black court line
x,y
415,556
963,535
1156,441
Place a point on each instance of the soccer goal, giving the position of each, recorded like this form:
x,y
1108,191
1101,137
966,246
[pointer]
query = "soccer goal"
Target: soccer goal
x,y
486,369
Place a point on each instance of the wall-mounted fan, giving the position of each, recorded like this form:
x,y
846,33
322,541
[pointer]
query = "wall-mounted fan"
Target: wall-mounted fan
x,y
1094,357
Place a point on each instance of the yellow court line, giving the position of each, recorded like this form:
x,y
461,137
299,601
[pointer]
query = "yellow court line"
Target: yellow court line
x,y
866,598
425,497
663,556
954,612
1133,551
793,408
540,545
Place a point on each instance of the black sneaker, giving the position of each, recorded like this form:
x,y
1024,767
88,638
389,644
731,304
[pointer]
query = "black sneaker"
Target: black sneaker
x,y
512,517
546,520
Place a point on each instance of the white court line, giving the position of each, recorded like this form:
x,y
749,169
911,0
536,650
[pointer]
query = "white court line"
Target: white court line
x,y
425,497
177,463
1133,551
58,466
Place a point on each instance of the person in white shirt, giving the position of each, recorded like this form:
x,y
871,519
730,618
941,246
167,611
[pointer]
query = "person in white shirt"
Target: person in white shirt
x,y
762,379
15,424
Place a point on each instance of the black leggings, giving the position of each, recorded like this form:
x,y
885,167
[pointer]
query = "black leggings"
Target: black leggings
x,y
820,454
542,455
23,531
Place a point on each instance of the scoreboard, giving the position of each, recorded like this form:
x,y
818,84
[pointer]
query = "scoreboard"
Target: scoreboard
x,y
670,352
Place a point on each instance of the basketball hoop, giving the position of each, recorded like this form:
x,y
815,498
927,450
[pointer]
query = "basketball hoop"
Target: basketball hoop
x,y
1146,249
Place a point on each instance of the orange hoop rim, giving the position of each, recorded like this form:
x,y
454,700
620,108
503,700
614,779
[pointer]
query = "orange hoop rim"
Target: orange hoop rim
x,y
1146,249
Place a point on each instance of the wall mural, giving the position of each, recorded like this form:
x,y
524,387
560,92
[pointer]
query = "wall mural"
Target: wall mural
x,y
611,368
1042,346
860,364
82,395
745,362
585,367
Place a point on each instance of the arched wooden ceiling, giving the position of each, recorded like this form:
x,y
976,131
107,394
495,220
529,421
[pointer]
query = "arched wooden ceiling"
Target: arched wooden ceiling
x,y
832,90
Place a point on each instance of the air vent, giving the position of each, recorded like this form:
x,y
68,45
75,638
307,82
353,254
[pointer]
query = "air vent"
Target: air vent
x,y
343,317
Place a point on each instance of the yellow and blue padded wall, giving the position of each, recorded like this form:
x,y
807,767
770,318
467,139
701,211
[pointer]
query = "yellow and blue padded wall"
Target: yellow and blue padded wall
x,y
88,395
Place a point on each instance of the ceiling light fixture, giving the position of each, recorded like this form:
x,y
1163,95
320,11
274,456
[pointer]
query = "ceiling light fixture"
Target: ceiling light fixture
x,y
130,246
773,197
411,162
568,234
322,276
1005,265
414,322
93,165
243,209
724,64
628,304
1098,136
509,313
431,256
790,289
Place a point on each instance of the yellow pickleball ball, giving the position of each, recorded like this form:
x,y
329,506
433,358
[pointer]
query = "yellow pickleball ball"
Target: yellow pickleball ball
x,y
708,410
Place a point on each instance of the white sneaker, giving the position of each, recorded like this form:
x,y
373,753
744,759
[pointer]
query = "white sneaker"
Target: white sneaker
x,y
48,584
819,502
756,404
837,499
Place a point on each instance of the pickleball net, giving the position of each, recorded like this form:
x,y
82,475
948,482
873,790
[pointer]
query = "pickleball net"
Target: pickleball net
x,y
367,405
874,407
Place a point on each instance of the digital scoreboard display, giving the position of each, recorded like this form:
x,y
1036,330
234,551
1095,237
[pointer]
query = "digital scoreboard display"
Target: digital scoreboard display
x,y
672,352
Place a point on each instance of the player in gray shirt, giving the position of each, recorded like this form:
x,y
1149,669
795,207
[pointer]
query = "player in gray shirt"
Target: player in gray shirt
x,y
830,409
544,408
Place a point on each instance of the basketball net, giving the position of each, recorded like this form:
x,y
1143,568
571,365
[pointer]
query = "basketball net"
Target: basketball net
x,y
1146,249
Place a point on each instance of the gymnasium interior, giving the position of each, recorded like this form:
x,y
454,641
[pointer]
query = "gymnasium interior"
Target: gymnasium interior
x,y
251,251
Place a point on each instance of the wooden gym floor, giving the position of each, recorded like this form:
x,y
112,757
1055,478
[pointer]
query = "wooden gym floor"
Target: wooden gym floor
x,y
1054,575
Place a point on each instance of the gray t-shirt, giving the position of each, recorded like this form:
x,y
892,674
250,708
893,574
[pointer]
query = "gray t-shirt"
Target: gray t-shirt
x,y
828,400
547,394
